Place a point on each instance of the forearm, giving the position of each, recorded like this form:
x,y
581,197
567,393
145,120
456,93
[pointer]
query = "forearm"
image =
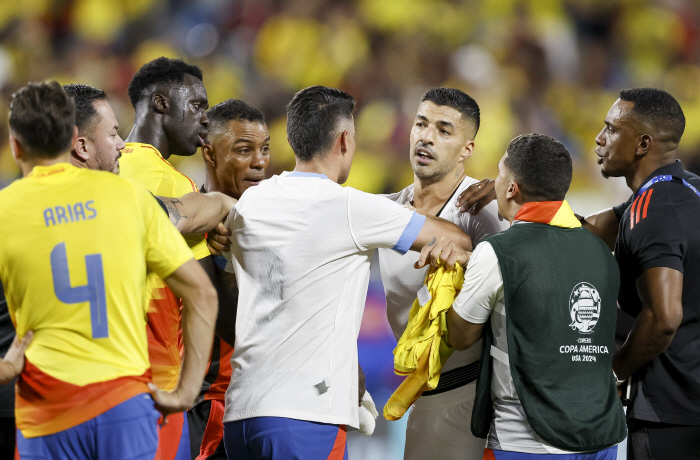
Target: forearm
x,y
436,227
198,320
648,339
198,213
461,333
228,306
7,372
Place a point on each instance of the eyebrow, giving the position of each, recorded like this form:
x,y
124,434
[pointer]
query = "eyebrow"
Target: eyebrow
x,y
248,141
439,122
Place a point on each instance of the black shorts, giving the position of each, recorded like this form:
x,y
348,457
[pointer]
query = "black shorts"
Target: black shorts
x,y
659,441
206,423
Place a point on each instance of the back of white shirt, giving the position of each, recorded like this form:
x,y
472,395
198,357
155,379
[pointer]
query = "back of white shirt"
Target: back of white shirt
x,y
302,246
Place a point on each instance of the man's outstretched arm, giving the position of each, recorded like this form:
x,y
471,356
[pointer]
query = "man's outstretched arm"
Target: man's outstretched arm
x,y
197,213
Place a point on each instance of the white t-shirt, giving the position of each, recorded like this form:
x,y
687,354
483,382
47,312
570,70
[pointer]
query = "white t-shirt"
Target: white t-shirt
x,y
481,297
402,282
301,251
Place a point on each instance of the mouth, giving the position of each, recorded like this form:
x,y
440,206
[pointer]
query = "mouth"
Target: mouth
x,y
253,180
423,155
203,137
601,157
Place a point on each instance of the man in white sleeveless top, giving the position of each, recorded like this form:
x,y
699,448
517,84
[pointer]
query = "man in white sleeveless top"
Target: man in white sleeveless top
x,y
442,138
301,251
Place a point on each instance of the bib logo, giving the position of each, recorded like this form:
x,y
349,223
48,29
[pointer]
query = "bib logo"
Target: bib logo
x,y
584,306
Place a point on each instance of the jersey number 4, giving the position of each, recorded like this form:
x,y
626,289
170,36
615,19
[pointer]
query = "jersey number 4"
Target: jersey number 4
x,y
93,291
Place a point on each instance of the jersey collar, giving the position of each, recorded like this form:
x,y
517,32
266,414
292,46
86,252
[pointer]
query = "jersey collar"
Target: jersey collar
x,y
43,171
306,174
673,169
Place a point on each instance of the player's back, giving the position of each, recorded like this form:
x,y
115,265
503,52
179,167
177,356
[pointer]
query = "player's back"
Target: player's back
x,y
74,246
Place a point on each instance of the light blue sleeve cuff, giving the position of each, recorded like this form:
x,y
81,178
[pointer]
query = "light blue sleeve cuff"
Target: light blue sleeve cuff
x,y
410,233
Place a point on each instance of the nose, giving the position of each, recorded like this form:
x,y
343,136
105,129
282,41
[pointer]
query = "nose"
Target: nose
x,y
427,136
120,143
258,160
599,138
204,120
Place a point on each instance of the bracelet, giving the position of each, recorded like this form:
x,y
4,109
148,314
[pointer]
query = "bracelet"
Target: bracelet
x,y
618,382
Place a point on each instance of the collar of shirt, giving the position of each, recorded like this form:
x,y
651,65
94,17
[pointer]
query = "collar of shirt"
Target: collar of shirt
x,y
673,169
304,174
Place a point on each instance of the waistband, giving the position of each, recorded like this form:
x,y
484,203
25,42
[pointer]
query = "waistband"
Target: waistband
x,y
455,378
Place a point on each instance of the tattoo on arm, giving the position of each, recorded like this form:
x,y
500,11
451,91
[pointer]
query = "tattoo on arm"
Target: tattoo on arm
x,y
171,205
432,242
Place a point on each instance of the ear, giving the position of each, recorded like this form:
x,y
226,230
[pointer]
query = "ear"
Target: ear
x,y
209,155
160,103
80,150
513,191
467,152
344,143
16,147
644,144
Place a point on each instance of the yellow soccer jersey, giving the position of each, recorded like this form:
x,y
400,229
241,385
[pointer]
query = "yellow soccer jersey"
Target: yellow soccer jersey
x,y
144,164
75,249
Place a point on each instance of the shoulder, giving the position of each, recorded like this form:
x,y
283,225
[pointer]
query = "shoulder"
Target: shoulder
x,y
402,197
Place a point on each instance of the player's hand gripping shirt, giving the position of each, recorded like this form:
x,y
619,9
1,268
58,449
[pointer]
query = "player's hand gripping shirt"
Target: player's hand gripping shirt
x,y
144,164
75,248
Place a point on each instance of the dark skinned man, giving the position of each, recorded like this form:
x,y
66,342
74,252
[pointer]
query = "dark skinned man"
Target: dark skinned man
x,y
657,247
170,102
236,157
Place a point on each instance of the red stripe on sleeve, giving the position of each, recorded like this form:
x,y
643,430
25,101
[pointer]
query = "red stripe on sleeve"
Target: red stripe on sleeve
x,y
646,205
634,204
639,207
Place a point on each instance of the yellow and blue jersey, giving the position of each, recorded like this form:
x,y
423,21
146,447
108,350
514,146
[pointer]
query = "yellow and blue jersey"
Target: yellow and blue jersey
x,y
144,164
75,250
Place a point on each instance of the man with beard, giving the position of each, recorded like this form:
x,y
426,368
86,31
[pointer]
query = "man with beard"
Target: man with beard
x,y
170,102
236,156
442,139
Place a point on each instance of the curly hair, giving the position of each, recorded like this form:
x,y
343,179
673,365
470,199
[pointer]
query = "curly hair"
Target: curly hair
x,y
161,70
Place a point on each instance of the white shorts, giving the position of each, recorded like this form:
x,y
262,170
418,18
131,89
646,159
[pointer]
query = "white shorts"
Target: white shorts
x,y
439,427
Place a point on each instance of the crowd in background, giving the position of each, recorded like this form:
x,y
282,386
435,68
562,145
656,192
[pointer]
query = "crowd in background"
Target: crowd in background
x,y
548,66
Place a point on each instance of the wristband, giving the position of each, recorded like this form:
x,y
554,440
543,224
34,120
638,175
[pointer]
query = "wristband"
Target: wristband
x,y
618,382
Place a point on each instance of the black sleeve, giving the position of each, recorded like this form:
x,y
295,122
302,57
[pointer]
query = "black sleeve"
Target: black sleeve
x,y
657,237
162,205
620,209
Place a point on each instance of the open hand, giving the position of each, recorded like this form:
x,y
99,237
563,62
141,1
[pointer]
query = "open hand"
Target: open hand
x,y
476,196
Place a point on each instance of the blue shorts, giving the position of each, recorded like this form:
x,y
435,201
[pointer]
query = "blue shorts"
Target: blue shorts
x,y
272,438
606,454
128,431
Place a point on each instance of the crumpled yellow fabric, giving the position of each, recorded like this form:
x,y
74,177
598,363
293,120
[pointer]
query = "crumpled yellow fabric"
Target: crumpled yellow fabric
x,y
424,348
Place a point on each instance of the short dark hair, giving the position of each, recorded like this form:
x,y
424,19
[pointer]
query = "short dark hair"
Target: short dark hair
x,y
86,116
233,109
657,108
312,119
458,100
42,116
541,166
161,70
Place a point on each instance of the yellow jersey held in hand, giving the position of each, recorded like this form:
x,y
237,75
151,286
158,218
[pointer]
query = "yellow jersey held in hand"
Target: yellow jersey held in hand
x,y
75,249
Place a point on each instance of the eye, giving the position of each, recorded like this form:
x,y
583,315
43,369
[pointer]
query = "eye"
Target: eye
x,y
420,124
610,129
444,131
196,105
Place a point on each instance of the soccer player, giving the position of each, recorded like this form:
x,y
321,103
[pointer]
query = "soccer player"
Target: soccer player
x,y
442,139
236,156
170,104
301,255
99,147
546,384
84,390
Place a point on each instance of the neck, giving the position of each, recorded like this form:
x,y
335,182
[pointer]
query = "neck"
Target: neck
x,y
636,179
27,165
211,183
430,197
324,165
149,130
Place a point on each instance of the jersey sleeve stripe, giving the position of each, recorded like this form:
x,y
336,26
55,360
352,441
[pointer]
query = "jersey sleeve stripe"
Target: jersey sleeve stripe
x,y
646,204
